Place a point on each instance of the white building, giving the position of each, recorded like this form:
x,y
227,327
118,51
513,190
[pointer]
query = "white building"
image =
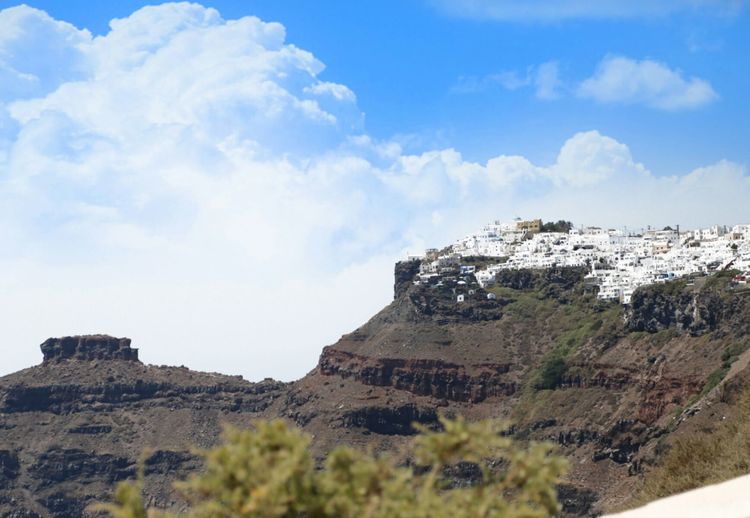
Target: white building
x,y
619,262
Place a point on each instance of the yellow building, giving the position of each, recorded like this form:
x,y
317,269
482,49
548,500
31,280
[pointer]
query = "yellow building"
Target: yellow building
x,y
532,226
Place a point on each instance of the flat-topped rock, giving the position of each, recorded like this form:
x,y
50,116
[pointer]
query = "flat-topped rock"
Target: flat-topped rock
x,y
88,348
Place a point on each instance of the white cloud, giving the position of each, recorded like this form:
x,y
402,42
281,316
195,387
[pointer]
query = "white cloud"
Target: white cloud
x,y
714,192
552,10
337,91
32,45
547,81
205,192
624,80
590,158
617,79
544,78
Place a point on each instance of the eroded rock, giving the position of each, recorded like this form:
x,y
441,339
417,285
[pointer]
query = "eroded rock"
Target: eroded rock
x,y
88,348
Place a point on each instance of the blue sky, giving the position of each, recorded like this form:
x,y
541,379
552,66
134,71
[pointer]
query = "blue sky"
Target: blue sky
x,y
187,174
404,58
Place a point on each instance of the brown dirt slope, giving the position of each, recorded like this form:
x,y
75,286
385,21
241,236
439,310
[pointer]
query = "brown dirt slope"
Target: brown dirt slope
x,y
75,425
610,386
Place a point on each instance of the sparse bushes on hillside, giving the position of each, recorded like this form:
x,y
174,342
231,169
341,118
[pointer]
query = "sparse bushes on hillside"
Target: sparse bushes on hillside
x,y
582,325
268,471
552,372
703,458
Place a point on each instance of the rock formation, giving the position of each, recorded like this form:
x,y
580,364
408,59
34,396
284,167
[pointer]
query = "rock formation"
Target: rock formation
x,y
87,348
74,426
609,386
613,379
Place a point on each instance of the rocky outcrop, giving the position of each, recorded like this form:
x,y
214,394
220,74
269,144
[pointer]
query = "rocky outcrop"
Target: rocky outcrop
x,y
74,426
404,273
662,306
88,348
608,408
9,467
16,512
440,305
435,378
66,399
565,278
66,465
619,444
662,395
576,501
91,429
62,505
55,471
167,462
390,421
436,299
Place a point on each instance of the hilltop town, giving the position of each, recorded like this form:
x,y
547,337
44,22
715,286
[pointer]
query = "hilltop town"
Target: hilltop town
x,y
612,386
619,261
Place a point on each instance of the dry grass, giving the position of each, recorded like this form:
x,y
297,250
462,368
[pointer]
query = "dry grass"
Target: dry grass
x,y
703,458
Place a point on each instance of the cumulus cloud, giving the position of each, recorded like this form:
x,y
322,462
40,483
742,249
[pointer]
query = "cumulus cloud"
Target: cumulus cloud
x,y
552,10
32,44
623,80
194,183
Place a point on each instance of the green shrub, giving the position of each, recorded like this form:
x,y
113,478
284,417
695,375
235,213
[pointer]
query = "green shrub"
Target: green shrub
x,y
552,372
559,226
714,379
268,472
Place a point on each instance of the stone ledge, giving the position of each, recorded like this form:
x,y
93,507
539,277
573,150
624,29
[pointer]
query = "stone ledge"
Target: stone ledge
x,y
88,348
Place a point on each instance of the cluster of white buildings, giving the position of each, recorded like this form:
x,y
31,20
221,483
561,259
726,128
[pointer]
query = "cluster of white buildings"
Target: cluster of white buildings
x,y
619,261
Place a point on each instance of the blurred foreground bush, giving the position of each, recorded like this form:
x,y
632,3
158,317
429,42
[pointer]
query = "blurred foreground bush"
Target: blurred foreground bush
x,y
268,471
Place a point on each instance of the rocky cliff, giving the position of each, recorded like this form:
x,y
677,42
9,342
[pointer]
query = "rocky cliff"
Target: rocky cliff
x,y
75,425
92,347
609,385
696,307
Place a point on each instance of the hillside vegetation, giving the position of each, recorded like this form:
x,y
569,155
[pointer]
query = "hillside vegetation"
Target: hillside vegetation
x,y
268,472
640,400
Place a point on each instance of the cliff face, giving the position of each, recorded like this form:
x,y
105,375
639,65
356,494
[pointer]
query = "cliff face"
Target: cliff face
x,y
92,347
610,386
404,273
606,384
695,307
74,426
